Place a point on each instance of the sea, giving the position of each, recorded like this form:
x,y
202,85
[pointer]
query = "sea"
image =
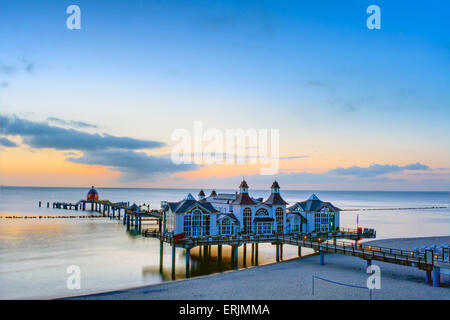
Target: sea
x,y
37,255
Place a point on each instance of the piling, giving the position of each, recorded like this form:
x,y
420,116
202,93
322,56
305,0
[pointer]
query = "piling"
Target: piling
x,y
219,253
236,259
173,261
436,277
281,251
278,252
322,258
161,255
188,260
299,253
428,276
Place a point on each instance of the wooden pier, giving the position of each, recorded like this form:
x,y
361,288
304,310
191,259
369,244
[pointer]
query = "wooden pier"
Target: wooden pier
x,y
337,242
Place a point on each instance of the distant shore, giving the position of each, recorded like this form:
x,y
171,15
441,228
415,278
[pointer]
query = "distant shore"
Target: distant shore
x,y
293,280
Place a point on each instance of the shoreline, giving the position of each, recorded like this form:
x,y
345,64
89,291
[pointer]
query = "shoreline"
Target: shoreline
x,y
402,282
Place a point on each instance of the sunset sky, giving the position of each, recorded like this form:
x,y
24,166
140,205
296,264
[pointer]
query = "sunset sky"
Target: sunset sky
x,y
357,109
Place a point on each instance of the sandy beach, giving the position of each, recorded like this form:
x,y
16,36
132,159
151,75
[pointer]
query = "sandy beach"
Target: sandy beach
x,y
293,280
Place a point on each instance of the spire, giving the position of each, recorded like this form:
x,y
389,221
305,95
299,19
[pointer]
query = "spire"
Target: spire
x,y
201,195
213,193
189,197
243,187
313,197
275,187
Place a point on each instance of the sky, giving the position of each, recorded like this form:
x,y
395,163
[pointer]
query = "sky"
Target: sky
x,y
356,109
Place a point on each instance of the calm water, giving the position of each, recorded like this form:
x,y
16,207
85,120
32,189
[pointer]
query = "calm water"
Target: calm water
x,y
35,253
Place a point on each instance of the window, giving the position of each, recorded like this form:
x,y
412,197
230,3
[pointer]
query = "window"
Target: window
x,y
247,220
262,212
196,223
324,221
279,215
226,226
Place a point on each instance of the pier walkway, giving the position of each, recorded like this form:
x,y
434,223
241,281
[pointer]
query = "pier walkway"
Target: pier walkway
x,y
338,242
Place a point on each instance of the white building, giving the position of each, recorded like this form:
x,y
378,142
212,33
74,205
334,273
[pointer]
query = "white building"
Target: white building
x,y
226,214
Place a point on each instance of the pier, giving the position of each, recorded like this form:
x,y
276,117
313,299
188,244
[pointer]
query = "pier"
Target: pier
x,y
342,241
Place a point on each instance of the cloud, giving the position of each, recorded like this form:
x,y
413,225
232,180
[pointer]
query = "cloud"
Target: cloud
x,y
71,123
42,135
7,143
133,165
119,153
375,170
7,69
4,84
294,157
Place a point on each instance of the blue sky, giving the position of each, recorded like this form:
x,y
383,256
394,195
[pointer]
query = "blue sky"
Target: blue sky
x,y
336,90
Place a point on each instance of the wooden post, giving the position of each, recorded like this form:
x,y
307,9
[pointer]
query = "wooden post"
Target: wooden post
x,y
256,253
236,258
188,260
428,276
124,218
39,204
48,204
161,253
205,252
245,255
173,261
281,251
219,253
436,277
322,258
299,251
253,254
278,252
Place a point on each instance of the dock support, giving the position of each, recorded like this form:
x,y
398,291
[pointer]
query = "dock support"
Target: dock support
x,y
256,253
299,253
436,277
428,276
173,261
39,204
188,260
219,253
205,252
253,253
322,258
281,251
236,258
245,255
161,255
278,252
369,263
124,219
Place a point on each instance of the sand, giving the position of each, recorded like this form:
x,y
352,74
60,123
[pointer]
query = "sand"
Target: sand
x,y
293,280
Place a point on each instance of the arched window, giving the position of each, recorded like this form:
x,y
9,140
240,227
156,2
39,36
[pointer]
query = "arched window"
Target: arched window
x,y
247,220
196,223
262,212
279,216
